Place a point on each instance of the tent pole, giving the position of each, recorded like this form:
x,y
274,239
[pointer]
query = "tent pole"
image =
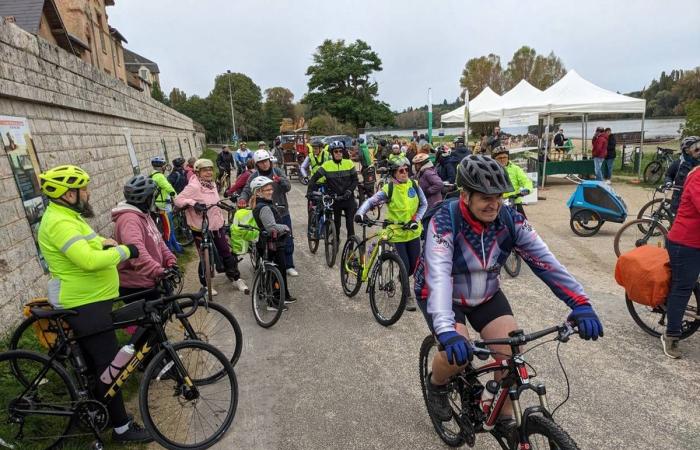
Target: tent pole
x,y
466,118
641,147
583,116
585,134
546,150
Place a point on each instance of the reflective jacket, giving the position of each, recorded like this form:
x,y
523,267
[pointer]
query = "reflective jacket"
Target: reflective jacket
x,y
240,237
518,179
165,190
82,272
341,177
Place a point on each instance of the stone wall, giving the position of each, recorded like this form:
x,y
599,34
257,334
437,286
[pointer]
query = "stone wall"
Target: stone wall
x,y
77,115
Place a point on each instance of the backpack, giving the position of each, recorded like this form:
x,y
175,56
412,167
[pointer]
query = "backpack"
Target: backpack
x,y
177,180
390,189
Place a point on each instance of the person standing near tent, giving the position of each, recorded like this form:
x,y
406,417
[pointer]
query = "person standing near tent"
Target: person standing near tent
x,y
610,156
600,151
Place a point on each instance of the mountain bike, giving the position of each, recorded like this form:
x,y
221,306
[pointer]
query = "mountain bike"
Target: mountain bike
x,y
658,207
366,189
210,261
213,323
322,225
655,170
638,232
474,412
383,271
514,262
188,394
183,233
269,291
653,319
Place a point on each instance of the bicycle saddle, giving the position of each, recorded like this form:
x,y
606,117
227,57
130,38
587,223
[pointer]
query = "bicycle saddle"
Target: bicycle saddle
x,y
43,313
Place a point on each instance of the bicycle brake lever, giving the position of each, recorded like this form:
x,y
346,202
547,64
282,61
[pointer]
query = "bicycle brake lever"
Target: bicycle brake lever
x,y
566,333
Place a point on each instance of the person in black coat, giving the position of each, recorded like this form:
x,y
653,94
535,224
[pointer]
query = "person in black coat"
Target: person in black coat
x,y
609,157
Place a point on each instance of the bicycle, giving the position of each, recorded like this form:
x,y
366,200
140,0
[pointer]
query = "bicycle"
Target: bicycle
x,y
475,412
208,254
269,291
514,262
638,232
214,324
659,207
322,226
365,190
655,170
383,272
183,233
45,402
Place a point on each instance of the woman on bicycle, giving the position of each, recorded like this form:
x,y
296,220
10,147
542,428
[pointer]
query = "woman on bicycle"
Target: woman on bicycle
x,y
522,185
406,204
201,191
268,218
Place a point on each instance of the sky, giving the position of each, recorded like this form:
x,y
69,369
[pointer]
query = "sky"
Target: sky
x,y
620,45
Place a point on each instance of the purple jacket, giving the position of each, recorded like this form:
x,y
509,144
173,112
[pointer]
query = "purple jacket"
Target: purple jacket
x,y
430,183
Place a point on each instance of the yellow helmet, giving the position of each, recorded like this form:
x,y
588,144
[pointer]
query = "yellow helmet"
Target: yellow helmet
x,y
56,182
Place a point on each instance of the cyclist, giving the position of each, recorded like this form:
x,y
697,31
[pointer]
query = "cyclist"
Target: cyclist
x,y
406,204
164,200
263,167
225,163
457,279
395,154
243,155
690,157
318,154
133,225
267,218
189,168
200,191
242,179
84,278
522,185
178,177
341,181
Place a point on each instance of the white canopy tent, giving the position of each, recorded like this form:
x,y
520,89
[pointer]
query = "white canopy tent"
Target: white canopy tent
x,y
487,100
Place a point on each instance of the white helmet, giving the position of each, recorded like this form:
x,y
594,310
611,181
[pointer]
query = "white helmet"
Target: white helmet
x,y
259,182
261,155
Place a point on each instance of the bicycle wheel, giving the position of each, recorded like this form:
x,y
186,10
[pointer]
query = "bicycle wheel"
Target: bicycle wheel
x,y
351,267
41,408
183,233
513,264
212,323
206,264
653,172
544,433
658,207
178,408
653,320
268,296
330,242
390,278
450,432
375,213
639,232
585,222
312,233
253,255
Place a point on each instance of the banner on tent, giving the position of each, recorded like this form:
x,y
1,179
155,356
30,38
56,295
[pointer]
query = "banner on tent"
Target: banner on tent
x,y
519,121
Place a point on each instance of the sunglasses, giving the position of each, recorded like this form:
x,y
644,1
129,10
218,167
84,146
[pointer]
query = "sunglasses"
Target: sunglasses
x,y
402,170
337,150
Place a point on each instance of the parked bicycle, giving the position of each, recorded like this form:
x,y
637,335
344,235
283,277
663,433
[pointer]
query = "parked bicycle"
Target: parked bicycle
x,y
188,394
380,267
476,403
655,170
638,232
322,226
183,233
659,207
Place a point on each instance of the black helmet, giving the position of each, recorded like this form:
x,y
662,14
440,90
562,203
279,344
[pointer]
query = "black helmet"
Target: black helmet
x,y
688,142
178,162
459,140
382,142
336,144
482,174
139,189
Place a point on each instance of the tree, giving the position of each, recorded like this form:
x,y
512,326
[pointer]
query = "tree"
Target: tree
x,y
325,124
339,83
247,105
157,93
520,66
546,71
481,72
283,98
272,118
177,98
692,119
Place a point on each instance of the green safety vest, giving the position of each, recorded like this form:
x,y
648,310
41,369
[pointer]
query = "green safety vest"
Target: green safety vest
x,y
316,162
393,158
241,238
518,179
402,208
81,271
164,189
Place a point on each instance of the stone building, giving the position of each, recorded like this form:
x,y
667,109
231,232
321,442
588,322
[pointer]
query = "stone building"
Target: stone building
x,y
141,73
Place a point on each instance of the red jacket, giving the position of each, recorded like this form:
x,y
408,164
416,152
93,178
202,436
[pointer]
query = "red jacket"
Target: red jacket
x,y
686,226
600,146
240,183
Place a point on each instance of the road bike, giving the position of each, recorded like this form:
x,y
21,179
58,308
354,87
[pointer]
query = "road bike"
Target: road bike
x,y
212,323
655,170
476,403
269,291
380,267
188,394
322,225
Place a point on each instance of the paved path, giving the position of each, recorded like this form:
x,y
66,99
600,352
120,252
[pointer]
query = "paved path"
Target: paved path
x,y
328,376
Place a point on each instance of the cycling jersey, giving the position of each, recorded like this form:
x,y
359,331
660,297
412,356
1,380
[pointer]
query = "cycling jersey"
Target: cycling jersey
x,y
81,271
462,266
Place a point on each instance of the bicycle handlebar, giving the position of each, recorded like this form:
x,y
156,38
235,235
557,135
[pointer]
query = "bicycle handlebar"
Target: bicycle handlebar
x,y
153,305
517,338
366,222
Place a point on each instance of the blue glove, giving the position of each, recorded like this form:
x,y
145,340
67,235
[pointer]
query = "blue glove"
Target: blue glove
x,y
589,325
457,347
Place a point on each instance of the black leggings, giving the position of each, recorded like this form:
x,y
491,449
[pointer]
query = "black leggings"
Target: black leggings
x,y
409,252
99,350
348,207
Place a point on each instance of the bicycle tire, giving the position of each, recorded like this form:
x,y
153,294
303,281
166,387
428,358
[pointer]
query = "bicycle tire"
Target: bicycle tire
x,y
656,323
513,264
154,380
55,382
653,172
268,288
183,233
253,255
652,207
206,264
311,235
351,267
390,258
330,242
451,437
375,213
579,223
624,238
231,333
555,435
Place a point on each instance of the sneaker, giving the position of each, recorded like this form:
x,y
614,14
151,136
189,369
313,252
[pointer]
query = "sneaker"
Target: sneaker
x,y
290,299
411,303
271,307
213,292
135,433
240,284
670,346
438,402
292,272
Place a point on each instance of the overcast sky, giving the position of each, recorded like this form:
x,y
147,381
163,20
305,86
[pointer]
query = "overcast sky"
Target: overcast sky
x,y
618,44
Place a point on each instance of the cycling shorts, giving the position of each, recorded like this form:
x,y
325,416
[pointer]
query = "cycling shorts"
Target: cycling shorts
x,y
479,316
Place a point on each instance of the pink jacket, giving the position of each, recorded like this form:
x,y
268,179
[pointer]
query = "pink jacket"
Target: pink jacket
x,y
132,226
193,193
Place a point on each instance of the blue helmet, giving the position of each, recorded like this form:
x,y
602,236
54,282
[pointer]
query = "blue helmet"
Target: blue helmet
x,y
158,161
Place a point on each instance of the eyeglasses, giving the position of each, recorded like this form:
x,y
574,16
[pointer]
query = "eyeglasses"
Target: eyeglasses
x,y
337,150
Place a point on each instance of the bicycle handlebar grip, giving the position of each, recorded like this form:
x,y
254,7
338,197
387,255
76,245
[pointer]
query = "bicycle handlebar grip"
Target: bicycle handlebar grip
x,y
195,300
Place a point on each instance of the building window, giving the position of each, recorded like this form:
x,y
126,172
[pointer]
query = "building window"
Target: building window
x,y
102,32
119,62
143,73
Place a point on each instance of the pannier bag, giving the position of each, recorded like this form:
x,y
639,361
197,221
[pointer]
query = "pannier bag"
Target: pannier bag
x,y
645,274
